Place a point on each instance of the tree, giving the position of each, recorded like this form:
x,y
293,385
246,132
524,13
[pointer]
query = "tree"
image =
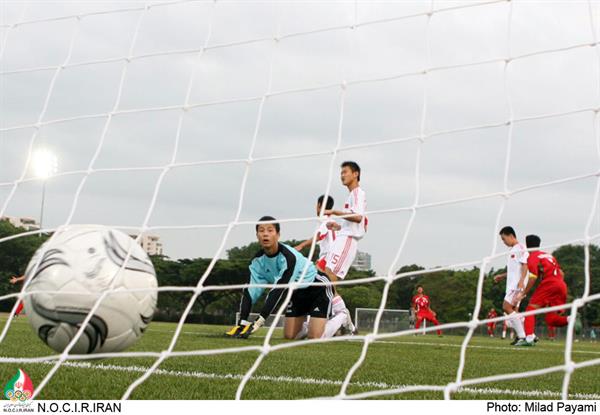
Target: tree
x,y
15,254
247,252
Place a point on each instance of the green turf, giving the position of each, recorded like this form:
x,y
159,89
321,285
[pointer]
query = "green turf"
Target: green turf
x,y
305,371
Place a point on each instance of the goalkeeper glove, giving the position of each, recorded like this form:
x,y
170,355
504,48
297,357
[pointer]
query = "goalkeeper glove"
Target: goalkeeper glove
x,y
258,323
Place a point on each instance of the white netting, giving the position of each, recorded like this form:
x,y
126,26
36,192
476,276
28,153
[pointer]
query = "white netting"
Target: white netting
x,y
390,320
343,84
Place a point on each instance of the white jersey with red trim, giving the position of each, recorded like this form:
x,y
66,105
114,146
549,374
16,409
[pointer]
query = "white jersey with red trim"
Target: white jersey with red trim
x,y
325,238
517,256
356,203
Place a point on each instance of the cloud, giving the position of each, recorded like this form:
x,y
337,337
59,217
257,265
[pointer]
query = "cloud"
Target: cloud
x,y
451,165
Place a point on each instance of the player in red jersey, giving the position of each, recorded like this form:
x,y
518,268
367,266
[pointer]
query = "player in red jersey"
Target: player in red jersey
x,y
420,306
491,326
551,291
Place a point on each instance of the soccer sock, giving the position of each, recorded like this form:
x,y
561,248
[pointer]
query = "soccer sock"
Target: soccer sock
x,y
553,319
517,324
303,331
337,305
529,322
333,325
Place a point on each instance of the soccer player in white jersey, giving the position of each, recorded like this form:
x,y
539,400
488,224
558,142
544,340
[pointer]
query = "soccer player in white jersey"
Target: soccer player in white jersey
x,y
516,276
352,226
340,317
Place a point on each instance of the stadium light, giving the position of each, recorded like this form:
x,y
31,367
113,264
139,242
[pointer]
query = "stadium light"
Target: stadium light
x,y
45,165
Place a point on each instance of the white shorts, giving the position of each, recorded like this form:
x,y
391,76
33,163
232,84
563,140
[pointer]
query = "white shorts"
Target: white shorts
x,y
341,256
511,297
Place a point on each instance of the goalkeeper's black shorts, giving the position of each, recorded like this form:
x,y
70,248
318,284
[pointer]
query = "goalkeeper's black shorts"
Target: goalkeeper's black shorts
x,y
314,301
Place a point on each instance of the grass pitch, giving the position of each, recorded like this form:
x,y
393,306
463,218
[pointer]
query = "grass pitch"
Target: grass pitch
x,y
305,371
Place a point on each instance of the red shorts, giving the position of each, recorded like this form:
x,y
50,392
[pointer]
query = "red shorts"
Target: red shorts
x,y
491,325
425,314
550,292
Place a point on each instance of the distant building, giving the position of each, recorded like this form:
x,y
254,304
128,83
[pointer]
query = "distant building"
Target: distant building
x,y
150,244
29,224
362,262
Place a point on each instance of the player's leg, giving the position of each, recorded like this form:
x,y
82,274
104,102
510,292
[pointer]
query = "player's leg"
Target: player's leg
x,y
303,333
319,299
540,298
292,326
556,320
557,296
530,322
334,324
295,314
510,307
316,327
340,258
340,320
332,277
435,322
420,318
338,262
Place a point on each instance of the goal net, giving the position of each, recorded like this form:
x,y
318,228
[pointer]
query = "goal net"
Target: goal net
x,y
183,122
390,320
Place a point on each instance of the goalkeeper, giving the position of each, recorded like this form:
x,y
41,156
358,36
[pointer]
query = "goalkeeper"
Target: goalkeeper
x,y
277,263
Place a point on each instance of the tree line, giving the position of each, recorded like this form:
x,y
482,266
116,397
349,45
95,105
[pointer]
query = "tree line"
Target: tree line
x,y
452,292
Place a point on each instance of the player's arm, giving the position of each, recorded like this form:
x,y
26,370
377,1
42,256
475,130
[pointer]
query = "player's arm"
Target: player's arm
x,y
333,226
304,244
250,295
499,277
531,279
533,268
353,218
14,279
524,273
277,293
523,257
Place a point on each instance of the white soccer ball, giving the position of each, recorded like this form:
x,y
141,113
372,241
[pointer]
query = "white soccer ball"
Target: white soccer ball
x,y
80,262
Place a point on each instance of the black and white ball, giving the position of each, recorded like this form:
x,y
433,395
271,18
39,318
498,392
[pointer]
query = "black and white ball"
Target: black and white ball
x,y
78,264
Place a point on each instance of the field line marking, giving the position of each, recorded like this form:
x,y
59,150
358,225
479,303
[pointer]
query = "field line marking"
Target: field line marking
x,y
310,381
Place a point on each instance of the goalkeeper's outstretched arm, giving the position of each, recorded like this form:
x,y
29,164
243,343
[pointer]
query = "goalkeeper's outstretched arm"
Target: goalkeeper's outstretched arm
x,y
245,306
243,328
251,294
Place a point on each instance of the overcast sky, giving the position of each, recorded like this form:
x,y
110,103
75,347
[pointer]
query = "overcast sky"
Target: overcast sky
x,y
453,165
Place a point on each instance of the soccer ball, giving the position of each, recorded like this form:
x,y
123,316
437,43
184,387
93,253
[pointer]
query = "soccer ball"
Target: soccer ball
x,y
78,263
